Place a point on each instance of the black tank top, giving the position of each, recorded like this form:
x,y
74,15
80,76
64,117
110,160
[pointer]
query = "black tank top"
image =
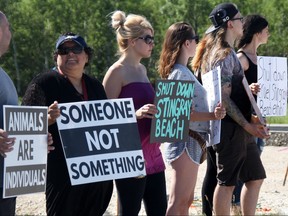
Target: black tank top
x,y
251,72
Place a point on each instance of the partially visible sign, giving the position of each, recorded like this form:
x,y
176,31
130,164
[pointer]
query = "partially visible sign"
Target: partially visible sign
x,y
272,77
212,83
173,101
253,103
25,166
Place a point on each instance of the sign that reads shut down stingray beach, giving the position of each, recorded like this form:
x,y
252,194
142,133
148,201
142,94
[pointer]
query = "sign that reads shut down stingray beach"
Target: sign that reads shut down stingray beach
x,y
173,101
25,165
100,140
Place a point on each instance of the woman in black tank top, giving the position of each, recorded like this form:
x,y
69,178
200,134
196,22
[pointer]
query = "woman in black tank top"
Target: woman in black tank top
x,y
255,33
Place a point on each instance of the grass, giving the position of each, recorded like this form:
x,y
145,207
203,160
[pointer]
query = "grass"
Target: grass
x,y
278,119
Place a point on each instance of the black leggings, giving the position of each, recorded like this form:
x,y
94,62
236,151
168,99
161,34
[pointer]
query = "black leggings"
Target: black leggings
x,y
7,206
209,182
151,188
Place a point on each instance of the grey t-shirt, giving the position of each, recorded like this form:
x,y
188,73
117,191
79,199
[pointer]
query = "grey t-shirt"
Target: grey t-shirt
x,y
8,96
200,102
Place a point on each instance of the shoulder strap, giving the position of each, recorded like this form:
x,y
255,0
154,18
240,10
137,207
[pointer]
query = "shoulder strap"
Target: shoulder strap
x,y
241,51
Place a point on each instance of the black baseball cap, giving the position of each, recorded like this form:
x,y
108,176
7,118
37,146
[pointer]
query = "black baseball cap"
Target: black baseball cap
x,y
221,14
76,38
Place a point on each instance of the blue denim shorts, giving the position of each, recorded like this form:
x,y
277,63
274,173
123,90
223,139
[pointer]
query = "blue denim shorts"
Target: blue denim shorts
x,y
174,150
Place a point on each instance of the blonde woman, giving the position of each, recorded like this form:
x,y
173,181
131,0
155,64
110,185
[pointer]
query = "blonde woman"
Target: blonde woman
x,y
127,77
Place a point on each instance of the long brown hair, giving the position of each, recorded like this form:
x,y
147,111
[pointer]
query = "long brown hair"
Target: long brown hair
x,y
175,36
211,49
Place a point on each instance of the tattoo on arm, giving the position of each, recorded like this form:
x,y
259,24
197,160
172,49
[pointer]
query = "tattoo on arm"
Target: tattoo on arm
x,y
231,108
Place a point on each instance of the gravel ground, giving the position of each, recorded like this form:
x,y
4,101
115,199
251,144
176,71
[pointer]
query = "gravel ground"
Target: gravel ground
x,y
272,201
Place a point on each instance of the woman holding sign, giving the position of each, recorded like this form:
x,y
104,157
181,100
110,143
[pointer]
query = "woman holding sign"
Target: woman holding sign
x,y
126,78
68,83
255,33
236,154
186,155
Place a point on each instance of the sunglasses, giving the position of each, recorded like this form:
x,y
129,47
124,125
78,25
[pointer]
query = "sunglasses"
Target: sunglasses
x,y
196,38
239,18
147,39
66,50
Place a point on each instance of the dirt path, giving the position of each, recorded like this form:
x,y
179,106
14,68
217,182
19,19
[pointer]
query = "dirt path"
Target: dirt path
x,y
273,198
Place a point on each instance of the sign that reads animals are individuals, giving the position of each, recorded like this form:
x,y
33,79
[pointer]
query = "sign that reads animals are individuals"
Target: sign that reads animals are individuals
x,y
100,140
174,102
25,166
272,77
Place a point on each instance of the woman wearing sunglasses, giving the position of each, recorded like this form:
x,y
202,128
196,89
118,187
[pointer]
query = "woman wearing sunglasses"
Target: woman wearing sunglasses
x,y
185,156
66,83
255,33
236,156
127,77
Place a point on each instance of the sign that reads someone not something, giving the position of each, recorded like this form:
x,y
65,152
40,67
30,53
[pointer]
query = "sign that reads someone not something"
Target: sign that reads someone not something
x,y
173,101
100,140
25,166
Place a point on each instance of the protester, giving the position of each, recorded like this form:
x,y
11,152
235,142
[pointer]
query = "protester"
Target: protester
x,y
66,83
8,96
255,33
236,154
127,77
185,156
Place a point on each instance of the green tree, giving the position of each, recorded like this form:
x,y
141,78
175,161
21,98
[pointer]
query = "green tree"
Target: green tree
x,y
36,25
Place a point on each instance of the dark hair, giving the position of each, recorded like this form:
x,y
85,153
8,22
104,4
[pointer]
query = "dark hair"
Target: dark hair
x,y
88,50
252,24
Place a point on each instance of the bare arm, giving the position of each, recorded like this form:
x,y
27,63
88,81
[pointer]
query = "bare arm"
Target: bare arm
x,y
255,87
219,113
112,82
243,60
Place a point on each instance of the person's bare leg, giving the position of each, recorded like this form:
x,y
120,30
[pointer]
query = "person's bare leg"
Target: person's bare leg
x,y
249,196
184,176
222,199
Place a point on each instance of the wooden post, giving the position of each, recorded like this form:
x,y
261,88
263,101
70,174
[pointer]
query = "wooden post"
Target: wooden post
x,y
285,176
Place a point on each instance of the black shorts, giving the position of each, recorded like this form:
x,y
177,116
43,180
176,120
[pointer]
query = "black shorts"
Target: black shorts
x,y
237,156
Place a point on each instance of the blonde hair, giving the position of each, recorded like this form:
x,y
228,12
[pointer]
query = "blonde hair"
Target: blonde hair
x,y
129,27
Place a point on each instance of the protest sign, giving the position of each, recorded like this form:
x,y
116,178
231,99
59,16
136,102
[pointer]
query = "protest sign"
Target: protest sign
x,y
212,83
254,104
173,101
272,77
100,140
25,166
